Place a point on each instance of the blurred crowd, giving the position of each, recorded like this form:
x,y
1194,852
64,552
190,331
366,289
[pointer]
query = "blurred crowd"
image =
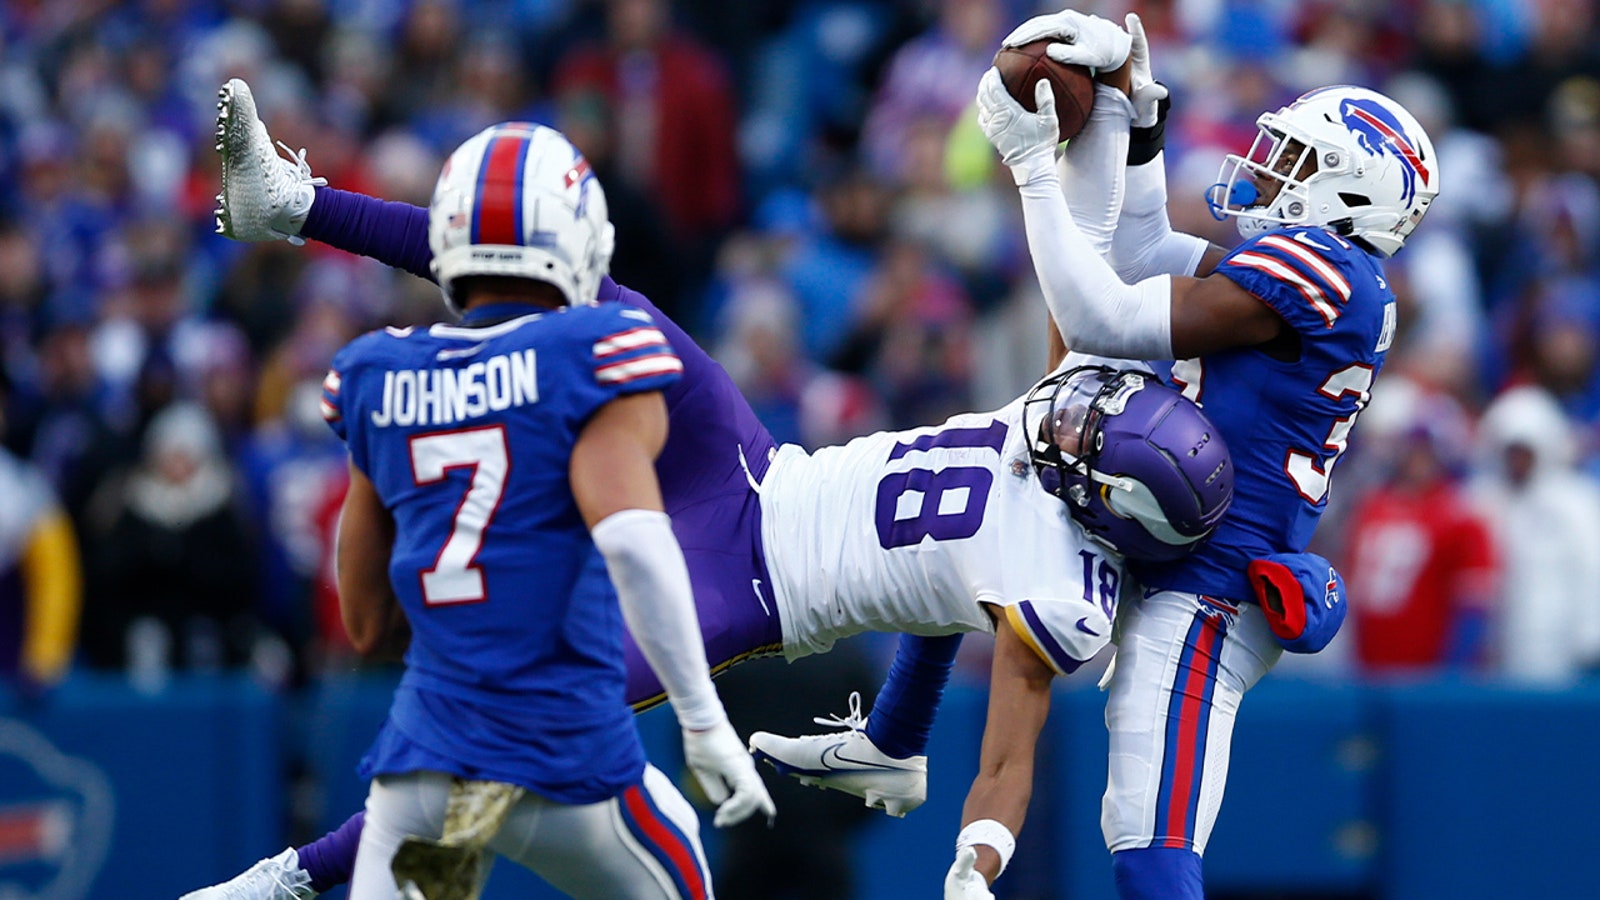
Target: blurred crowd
x,y
800,183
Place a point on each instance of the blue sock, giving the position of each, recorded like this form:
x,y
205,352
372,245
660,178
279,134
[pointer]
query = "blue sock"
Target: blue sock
x,y
902,714
395,234
331,859
1158,873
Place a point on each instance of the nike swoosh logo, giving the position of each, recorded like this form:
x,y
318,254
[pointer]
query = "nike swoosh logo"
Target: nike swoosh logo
x,y
832,755
1303,238
756,583
1083,626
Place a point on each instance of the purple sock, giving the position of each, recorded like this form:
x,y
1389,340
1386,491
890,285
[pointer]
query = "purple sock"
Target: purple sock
x,y
330,859
395,234
902,714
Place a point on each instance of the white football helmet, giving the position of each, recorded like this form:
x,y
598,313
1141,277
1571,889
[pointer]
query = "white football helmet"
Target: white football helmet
x,y
1375,174
519,200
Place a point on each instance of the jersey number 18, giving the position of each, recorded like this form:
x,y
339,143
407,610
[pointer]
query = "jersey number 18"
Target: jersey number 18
x,y
943,504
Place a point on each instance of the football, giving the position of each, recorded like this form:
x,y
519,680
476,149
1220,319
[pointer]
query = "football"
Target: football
x,y
1022,67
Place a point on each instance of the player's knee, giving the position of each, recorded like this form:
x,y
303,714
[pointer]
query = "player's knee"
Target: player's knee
x,y
1157,873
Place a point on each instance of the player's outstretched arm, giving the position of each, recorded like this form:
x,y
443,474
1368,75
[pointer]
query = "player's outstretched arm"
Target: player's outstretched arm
x,y
1144,244
373,619
997,803
613,479
1164,317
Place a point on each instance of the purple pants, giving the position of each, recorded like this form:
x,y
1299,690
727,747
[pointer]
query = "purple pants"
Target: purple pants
x,y
715,512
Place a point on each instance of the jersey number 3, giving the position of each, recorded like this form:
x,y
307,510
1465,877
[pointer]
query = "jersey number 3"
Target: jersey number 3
x,y
1309,473
942,504
454,578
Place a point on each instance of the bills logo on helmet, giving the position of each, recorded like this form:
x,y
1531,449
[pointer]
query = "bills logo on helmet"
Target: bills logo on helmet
x,y
1378,132
1332,586
580,171
582,175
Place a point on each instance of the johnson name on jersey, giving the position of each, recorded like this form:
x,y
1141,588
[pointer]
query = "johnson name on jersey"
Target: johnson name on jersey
x,y
911,531
466,431
1286,421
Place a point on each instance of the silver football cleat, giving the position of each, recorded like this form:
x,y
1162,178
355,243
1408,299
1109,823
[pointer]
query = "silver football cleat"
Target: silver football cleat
x,y
265,197
275,878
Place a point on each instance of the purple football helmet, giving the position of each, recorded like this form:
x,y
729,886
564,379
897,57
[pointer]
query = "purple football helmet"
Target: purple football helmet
x,y
1140,466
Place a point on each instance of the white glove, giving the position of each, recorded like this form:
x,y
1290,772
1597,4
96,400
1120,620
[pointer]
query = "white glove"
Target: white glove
x,y
1146,92
963,882
727,774
1019,135
1084,40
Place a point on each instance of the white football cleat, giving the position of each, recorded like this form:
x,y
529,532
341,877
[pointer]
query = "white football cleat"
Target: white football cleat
x,y
275,878
264,196
848,761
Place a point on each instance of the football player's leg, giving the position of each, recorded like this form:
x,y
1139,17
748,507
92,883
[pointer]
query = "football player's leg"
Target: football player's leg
x,y
297,873
733,599
264,196
268,197
399,806
274,878
393,233
1183,664
1154,872
330,859
902,714
642,845
882,758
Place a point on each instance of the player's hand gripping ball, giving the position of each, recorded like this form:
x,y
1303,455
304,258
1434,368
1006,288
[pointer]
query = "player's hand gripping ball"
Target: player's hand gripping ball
x,y
1021,68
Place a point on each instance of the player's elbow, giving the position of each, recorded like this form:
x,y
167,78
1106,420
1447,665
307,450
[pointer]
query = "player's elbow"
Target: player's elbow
x,y
366,639
1099,331
1125,321
372,630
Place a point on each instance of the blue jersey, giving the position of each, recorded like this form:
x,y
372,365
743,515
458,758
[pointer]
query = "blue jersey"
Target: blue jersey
x,y
1286,423
515,670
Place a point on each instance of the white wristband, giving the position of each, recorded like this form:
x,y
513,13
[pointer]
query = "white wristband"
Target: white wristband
x,y
989,833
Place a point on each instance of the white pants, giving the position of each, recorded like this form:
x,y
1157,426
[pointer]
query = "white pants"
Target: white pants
x,y
1183,663
643,844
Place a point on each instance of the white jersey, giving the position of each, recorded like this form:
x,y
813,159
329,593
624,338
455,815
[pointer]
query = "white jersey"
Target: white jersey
x,y
911,531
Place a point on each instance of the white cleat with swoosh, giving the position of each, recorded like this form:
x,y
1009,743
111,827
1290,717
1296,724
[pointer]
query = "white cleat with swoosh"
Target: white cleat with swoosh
x,y
848,761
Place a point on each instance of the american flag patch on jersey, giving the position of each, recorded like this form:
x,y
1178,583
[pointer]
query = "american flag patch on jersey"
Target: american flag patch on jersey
x,y
632,354
1297,262
330,396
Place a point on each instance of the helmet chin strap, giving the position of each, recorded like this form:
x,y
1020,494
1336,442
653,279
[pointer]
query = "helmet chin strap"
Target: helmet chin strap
x,y
1115,481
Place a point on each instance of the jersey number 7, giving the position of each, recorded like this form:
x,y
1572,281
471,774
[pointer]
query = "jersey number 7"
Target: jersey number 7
x,y
453,577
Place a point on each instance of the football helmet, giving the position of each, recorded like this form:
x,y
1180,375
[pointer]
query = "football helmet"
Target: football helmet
x,y
1374,173
519,200
1138,464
